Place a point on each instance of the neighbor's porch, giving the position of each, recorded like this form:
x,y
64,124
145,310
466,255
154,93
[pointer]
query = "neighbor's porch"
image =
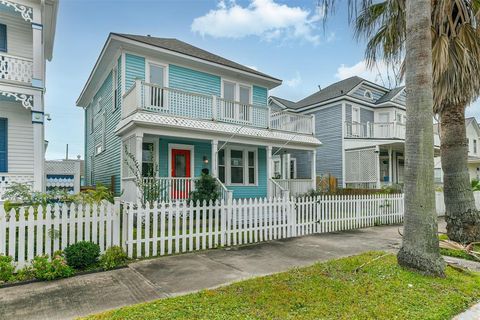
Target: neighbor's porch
x,y
375,167
168,167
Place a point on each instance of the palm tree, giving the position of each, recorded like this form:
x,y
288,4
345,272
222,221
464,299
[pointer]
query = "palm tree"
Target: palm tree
x,y
456,65
419,249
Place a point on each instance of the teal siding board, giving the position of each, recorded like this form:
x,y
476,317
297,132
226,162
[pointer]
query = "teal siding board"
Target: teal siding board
x,y
107,163
260,96
134,69
200,149
193,81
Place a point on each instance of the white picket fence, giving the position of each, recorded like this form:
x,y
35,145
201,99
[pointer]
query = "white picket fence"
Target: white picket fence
x,y
166,228
440,204
175,227
31,232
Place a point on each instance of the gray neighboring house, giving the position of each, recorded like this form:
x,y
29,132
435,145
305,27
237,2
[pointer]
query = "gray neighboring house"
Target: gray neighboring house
x,y
362,128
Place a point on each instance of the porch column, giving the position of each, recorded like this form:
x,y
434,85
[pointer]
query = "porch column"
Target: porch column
x,y
214,162
377,160
394,166
38,59
314,170
269,171
286,166
38,143
138,157
390,166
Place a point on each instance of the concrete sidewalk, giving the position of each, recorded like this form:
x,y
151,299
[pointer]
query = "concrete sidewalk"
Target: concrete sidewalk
x,y
175,275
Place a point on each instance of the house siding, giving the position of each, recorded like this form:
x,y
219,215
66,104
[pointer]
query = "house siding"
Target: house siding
x,y
19,136
260,96
304,163
359,93
134,69
193,81
19,35
328,129
106,164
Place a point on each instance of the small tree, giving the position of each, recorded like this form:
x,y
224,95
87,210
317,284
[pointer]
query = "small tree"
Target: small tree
x,y
206,189
148,184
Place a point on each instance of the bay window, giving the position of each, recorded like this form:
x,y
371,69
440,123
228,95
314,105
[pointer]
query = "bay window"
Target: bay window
x,y
237,166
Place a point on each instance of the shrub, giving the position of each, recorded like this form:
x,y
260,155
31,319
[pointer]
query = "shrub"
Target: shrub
x,y
6,268
82,255
25,274
206,189
113,257
45,269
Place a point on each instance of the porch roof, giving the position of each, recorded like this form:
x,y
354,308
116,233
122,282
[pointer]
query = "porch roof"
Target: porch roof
x,y
223,130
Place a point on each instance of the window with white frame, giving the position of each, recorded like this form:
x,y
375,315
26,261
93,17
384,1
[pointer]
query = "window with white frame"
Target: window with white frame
x,y
238,166
277,168
115,87
475,146
368,94
237,99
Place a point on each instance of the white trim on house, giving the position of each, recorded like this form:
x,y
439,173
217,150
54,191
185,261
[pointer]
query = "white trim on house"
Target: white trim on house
x,y
228,166
178,146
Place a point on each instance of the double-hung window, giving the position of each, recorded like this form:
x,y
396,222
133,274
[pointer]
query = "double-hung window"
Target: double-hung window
x,y
3,38
237,166
475,146
237,100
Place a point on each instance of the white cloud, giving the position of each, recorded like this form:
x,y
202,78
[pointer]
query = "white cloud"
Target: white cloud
x,y
295,81
263,18
381,73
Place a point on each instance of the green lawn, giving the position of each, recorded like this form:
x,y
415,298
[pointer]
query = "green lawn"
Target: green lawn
x,y
331,290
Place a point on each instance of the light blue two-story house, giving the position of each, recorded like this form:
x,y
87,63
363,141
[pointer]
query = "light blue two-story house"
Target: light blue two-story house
x,y
175,107
362,128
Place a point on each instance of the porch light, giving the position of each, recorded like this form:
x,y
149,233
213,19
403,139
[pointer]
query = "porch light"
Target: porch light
x,y
205,159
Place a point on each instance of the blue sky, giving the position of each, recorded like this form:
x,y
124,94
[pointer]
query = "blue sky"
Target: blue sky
x,y
285,39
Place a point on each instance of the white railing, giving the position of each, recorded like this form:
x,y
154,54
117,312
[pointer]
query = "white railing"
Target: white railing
x,y
276,189
16,68
225,194
296,186
167,188
154,98
294,122
173,227
375,130
7,179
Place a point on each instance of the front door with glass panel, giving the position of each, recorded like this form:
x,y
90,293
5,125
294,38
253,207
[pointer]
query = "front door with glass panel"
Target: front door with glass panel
x,y
156,80
181,174
355,121
228,106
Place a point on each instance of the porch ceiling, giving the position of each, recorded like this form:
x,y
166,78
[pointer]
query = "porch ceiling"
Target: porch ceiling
x,y
219,130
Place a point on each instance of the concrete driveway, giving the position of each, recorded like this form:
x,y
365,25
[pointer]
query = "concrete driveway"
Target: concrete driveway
x,y
176,275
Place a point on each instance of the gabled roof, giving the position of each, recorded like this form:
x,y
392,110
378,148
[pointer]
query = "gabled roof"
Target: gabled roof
x,y
185,48
284,102
333,91
389,95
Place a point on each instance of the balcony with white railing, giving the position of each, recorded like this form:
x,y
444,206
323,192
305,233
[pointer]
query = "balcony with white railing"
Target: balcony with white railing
x,y
375,130
153,98
13,68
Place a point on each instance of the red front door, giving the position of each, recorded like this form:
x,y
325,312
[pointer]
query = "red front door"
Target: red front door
x,y
181,175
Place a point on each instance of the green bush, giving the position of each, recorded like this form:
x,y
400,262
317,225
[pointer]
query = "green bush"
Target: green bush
x,y
24,274
82,255
45,269
113,257
7,268
206,189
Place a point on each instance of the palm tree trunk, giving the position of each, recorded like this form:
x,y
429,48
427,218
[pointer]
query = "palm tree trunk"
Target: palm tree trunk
x,y
462,216
419,249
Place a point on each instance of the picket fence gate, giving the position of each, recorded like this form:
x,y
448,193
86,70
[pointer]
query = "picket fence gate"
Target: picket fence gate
x,y
175,227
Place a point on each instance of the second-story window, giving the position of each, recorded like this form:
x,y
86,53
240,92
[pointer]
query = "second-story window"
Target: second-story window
x,y
3,38
475,146
237,99
115,88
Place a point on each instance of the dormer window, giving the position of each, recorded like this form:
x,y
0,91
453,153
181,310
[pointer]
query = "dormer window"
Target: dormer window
x,y
368,94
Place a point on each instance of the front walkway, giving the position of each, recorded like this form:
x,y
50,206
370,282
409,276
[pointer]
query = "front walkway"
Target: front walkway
x,y
175,275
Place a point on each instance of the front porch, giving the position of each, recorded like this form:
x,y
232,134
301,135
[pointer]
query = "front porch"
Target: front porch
x,y
169,166
375,167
